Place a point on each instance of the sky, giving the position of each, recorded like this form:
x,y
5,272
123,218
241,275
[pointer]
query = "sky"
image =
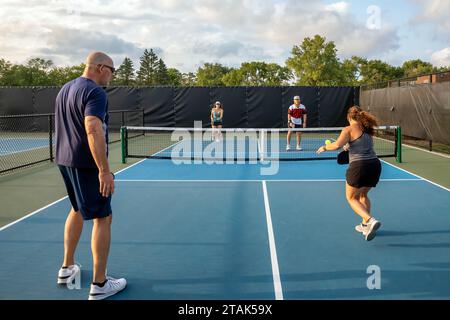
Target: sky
x,y
186,34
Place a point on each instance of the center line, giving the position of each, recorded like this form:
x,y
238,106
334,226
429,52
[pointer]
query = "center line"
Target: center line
x,y
273,249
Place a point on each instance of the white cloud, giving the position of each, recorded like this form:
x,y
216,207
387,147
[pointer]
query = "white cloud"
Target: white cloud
x,y
433,9
435,13
441,58
340,7
187,32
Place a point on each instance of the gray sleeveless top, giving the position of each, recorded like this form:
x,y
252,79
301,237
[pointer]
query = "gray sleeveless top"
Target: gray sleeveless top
x,y
362,148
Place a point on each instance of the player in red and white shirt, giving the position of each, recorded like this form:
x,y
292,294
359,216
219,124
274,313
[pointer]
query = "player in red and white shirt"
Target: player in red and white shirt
x,y
296,119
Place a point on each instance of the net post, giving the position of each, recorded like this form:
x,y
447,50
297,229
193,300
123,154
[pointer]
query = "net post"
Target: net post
x,y
399,145
123,142
262,142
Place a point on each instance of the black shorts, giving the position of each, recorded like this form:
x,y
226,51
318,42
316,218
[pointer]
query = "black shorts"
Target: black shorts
x,y
83,189
217,123
364,173
295,126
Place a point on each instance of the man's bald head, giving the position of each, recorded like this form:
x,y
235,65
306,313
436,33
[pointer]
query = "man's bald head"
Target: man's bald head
x,y
99,68
98,58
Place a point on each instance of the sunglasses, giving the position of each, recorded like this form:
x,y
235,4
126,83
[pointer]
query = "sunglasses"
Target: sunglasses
x,y
110,68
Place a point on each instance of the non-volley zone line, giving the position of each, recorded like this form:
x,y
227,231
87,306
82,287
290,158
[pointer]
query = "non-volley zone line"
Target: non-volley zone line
x,y
253,180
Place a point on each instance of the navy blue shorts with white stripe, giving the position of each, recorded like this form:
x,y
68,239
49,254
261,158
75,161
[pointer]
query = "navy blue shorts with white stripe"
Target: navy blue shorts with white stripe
x,y
83,189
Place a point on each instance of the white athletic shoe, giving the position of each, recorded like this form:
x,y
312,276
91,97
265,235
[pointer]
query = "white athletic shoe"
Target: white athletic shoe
x,y
68,274
288,147
299,148
372,226
360,228
111,287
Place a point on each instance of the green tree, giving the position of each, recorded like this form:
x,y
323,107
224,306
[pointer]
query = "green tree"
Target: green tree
x,y
188,79
374,71
211,74
314,62
174,76
148,70
124,75
441,69
38,70
416,67
62,75
162,78
350,74
258,74
233,78
5,72
21,75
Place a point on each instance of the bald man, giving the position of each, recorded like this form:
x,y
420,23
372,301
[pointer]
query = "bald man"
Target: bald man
x,y
81,121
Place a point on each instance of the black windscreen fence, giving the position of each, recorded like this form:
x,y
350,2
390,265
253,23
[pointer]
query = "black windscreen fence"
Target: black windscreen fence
x,y
233,100
422,111
244,107
27,121
263,107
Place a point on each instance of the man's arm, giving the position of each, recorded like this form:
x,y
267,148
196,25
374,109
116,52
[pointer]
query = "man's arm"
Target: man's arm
x,y
97,145
305,118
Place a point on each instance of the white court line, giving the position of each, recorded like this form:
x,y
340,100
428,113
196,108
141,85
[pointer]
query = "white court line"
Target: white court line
x,y
417,148
273,250
49,205
247,180
9,139
427,151
422,178
31,214
53,203
129,167
24,150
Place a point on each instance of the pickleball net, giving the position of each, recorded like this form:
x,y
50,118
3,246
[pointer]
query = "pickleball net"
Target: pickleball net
x,y
243,143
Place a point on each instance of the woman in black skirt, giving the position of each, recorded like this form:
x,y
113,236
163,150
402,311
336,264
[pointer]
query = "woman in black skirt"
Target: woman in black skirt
x,y
364,170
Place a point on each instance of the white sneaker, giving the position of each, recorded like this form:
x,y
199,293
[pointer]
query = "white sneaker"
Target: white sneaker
x,y
372,226
360,228
111,287
68,274
288,147
299,148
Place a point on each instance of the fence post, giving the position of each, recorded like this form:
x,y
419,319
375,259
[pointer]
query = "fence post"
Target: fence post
x,y
123,141
50,136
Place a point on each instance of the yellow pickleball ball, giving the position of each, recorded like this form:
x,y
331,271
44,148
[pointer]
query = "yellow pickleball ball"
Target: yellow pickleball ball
x,y
327,141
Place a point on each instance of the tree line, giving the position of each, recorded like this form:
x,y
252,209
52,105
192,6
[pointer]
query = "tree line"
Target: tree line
x,y
312,63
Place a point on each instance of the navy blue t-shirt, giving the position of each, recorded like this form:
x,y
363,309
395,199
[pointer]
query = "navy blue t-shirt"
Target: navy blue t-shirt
x,y
77,99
